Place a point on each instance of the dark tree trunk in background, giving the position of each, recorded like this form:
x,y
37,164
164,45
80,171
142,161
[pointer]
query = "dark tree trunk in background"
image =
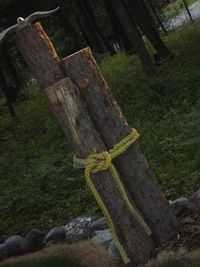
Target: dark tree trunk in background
x,y
146,24
11,69
187,9
98,29
87,24
67,25
118,27
157,17
134,36
8,97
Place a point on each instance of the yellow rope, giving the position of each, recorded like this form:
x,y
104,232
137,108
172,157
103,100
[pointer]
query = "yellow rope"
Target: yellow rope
x,y
103,161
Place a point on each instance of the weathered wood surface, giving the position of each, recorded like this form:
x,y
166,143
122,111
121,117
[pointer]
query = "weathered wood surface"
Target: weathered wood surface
x,y
70,110
112,126
74,119
40,55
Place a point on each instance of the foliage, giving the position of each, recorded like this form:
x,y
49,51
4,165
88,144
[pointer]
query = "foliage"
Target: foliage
x,y
38,186
46,262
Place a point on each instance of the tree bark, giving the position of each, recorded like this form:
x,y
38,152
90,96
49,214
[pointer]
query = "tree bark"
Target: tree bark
x,y
135,37
39,54
117,27
70,30
3,87
112,126
146,24
98,29
157,17
87,24
74,119
11,68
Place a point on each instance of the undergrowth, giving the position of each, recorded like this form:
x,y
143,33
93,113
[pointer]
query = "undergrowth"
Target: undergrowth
x,y
39,187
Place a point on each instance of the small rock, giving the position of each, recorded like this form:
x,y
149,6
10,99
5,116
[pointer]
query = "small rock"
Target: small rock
x,y
112,250
99,224
34,240
102,237
78,229
56,235
15,245
179,204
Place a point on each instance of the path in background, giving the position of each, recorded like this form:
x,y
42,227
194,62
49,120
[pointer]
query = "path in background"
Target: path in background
x,y
183,17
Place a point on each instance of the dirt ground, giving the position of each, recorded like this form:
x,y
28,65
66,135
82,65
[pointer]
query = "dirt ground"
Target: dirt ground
x,y
95,256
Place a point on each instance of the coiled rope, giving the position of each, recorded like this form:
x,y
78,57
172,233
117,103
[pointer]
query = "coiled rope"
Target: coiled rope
x,y
103,161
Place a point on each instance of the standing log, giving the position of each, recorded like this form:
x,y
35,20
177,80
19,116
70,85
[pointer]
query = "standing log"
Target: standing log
x,y
74,119
70,110
132,165
40,55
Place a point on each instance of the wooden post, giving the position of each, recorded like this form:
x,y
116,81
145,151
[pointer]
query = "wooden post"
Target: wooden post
x,y
112,126
40,55
69,107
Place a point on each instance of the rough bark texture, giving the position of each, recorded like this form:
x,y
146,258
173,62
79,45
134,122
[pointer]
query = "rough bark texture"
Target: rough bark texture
x,y
89,27
70,110
40,55
97,27
117,27
146,24
4,88
74,119
112,126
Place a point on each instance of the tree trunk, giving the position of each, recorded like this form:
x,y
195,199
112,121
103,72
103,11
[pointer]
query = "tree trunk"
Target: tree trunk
x,y
107,44
188,11
157,17
134,36
3,87
117,27
40,55
10,68
88,26
146,24
74,119
69,28
112,126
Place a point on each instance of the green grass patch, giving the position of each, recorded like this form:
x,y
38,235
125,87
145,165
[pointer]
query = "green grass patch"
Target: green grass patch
x,y
46,262
39,187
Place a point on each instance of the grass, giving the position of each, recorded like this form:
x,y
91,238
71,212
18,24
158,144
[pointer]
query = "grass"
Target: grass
x,y
57,261
175,8
38,186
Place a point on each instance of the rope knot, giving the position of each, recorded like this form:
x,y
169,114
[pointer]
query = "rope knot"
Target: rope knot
x,y
99,162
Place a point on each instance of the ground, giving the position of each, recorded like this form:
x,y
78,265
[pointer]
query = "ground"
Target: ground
x,y
86,255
